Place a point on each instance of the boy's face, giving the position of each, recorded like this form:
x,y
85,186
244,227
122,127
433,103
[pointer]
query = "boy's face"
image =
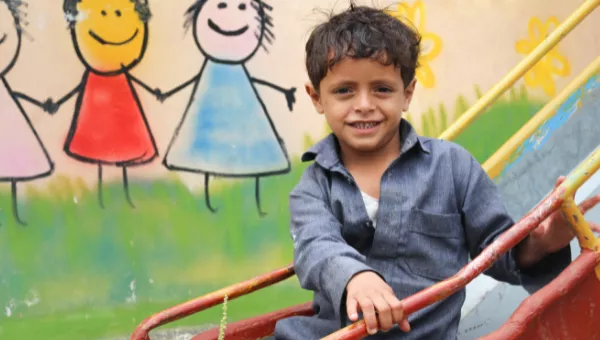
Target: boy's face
x,y
363,101
109,34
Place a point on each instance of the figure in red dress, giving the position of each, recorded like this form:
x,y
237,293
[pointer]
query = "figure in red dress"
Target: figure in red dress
x,y
109,126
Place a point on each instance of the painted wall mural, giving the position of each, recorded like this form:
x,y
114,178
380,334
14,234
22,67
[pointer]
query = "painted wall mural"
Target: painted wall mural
x,y
24,157
554,64
109,126
226,130
148,147
431,44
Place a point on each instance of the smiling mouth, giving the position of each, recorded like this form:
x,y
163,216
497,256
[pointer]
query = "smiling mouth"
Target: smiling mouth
x,y
3,38
104,42
364,125
219,30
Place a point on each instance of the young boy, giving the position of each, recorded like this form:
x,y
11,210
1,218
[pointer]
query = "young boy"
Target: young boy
x,y
383,213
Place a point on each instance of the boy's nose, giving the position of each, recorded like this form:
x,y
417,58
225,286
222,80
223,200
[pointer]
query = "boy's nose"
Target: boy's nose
x,y
364,102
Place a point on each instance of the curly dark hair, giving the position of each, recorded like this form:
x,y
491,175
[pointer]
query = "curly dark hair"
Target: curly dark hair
x,y
141,7
362,32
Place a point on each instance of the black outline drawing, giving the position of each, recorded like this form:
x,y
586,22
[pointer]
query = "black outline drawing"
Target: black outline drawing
x,y
141,7
264,33
13,7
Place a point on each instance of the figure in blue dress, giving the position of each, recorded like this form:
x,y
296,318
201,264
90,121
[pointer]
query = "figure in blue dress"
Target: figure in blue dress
x,y
226,129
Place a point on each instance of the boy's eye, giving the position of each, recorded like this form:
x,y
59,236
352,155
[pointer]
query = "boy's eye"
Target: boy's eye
x,y
343,90
384,89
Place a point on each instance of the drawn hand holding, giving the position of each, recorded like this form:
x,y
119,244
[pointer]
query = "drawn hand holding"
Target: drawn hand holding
x,y
50,106
163,96
367,292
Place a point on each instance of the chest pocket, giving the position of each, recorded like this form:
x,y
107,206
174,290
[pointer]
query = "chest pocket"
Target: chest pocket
x,y
435,244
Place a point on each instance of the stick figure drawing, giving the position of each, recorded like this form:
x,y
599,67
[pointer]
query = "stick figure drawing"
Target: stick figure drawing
x,y
24,157
226,130
109,126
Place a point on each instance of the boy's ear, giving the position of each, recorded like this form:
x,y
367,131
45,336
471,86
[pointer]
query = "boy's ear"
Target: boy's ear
x,y
408,94
314,96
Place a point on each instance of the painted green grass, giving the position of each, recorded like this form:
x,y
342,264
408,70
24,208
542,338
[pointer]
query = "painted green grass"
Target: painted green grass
x,y
81,272
491,129
75,256
106,323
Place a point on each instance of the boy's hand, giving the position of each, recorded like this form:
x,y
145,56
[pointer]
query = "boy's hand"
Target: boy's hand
x,y
368,293
554,233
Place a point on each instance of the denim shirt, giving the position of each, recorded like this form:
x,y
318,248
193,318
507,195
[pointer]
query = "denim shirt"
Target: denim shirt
x,y
437,207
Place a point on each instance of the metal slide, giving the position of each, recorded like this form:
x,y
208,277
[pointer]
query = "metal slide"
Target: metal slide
x,y
554,149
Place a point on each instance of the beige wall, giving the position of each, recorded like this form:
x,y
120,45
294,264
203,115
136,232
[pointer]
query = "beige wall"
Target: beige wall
x,y
478,39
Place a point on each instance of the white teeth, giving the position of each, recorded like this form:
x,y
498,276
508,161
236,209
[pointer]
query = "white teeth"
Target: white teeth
x,y
362,125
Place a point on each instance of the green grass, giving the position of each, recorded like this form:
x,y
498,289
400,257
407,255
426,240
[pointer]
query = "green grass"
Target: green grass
x,y
79,266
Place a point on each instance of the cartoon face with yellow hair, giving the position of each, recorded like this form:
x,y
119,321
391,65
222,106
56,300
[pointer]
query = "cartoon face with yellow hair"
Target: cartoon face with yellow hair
x,y
110,36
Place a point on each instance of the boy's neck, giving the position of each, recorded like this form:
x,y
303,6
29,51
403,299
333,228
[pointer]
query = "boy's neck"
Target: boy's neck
x,y
378,160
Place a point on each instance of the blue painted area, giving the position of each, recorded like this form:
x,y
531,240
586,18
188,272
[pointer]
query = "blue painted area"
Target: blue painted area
x,y
227,130
562,115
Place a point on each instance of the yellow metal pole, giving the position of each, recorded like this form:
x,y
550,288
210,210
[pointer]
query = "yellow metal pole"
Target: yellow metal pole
x,y
494,165
520,69
585,236
582,173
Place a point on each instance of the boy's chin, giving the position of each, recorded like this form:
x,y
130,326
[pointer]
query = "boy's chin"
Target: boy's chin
x,y
365,146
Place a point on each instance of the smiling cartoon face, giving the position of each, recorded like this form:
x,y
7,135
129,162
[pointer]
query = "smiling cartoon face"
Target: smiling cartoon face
x,y
109,34
229,30
10,38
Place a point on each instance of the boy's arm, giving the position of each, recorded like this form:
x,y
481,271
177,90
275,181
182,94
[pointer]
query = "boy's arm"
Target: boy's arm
x,y
323,261
486,218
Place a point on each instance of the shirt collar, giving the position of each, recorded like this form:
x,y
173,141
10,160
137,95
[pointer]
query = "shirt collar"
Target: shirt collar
x,y
326,152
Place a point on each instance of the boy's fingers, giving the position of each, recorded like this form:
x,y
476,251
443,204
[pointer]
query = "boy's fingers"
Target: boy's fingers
x,y
397,309
405,326
559,181
384,313
589,204
351,306
368,310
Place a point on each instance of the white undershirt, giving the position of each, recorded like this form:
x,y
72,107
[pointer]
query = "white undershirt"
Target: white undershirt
x,y
372,206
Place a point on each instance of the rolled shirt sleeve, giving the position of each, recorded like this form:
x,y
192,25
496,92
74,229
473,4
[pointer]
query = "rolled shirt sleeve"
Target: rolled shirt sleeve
x,y
323,260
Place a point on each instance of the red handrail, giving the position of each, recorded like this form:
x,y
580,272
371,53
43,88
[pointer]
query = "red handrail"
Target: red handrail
x,y
257,327
204,302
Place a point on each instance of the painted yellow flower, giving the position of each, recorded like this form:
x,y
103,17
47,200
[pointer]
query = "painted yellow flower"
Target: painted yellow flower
x,y
552,64
431,43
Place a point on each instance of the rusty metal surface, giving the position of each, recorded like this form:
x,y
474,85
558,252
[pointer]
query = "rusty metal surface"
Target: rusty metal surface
x,y
257,327
567,308
204,302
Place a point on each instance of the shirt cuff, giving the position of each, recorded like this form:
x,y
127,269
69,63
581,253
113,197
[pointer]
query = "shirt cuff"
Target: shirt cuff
x,y
547,269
